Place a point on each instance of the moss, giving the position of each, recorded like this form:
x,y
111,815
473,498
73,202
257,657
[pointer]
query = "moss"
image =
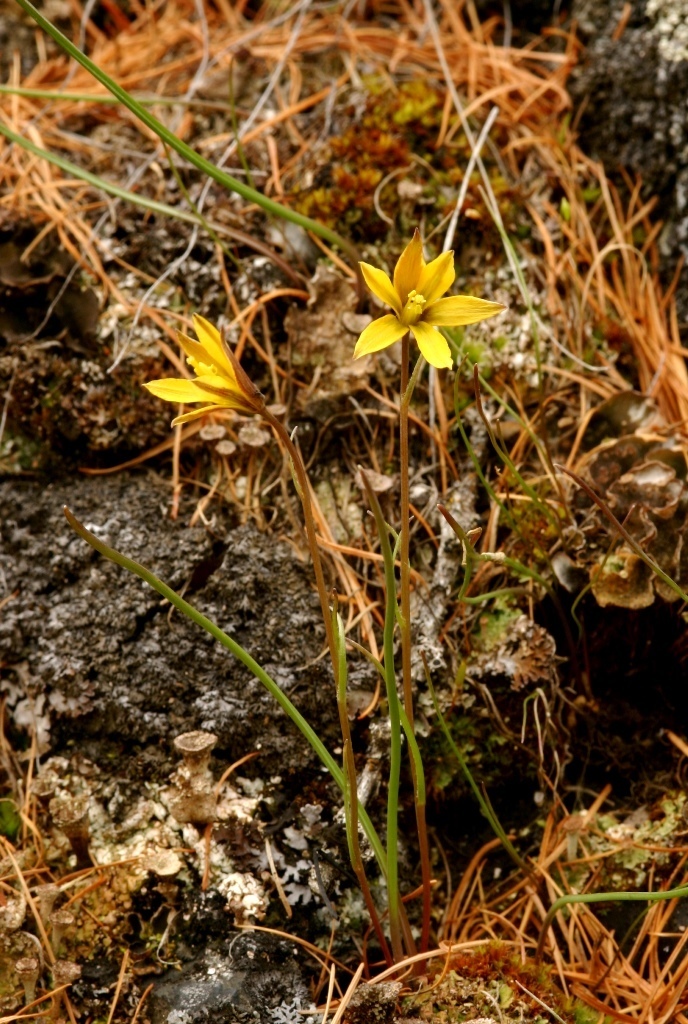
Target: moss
x,y
536,530
10,821
493,624
489,978
65,410
483,749
20,454
395,135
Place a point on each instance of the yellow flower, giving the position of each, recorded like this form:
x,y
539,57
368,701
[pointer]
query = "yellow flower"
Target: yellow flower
x,y
415,298
219,379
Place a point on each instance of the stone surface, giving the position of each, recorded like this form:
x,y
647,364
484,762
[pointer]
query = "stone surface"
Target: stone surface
x,y
92,653
255,979
631,85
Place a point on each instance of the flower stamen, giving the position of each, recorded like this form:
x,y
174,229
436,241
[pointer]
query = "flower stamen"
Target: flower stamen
x,y
413,308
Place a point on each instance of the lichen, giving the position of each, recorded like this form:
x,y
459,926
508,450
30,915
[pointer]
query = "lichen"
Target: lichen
x,y
670,28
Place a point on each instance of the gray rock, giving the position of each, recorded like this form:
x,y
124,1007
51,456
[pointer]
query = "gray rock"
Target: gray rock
x,y
91,651
257,980
633,84
373,1004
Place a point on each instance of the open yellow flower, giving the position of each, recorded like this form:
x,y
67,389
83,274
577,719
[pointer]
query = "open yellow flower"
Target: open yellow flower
x,y
415,298
220,381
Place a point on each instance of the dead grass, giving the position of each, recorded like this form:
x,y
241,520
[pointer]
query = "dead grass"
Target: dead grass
x,y
638,984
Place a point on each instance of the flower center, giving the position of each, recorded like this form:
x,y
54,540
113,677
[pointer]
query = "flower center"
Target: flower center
x,y
413,309
202,369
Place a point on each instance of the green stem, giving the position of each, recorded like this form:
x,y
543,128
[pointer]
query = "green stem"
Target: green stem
x,y
190,154
407,387
245,658
414,749
604,897
394,725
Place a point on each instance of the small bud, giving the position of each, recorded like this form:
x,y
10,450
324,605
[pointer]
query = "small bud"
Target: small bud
x,y
493,556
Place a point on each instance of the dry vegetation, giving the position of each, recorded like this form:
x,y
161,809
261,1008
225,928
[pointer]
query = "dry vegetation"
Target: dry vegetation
x,y
601,323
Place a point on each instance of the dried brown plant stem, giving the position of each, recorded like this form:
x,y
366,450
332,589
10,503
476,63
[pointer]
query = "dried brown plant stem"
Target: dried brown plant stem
x,y
304,488
406,388
47,946
404,529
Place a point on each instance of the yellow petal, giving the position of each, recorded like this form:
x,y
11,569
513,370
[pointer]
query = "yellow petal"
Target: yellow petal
x,y
433,345
194,414
460,309
381,286
437,277
409,268
379,334
172,389
211,340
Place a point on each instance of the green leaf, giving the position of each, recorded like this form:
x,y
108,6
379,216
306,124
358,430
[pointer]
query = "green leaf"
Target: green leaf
x,y
10,820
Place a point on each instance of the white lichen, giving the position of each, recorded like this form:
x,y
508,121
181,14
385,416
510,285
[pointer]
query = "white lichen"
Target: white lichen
x,y
245,896
292,1013
670,28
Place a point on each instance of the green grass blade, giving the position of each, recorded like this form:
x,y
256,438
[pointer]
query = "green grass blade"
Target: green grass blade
x,y
605,897
110,101
100,183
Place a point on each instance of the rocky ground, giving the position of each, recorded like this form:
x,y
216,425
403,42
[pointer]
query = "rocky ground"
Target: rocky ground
x,y
99,676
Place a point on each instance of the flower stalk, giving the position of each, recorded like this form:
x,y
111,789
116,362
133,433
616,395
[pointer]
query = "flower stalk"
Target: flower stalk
x,y
414,295
407,387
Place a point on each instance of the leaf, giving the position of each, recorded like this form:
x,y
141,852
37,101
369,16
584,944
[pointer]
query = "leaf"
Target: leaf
x,y
10,820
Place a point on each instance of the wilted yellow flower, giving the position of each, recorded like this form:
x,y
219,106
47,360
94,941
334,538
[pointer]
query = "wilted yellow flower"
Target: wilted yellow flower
x,y
415,298
220,380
